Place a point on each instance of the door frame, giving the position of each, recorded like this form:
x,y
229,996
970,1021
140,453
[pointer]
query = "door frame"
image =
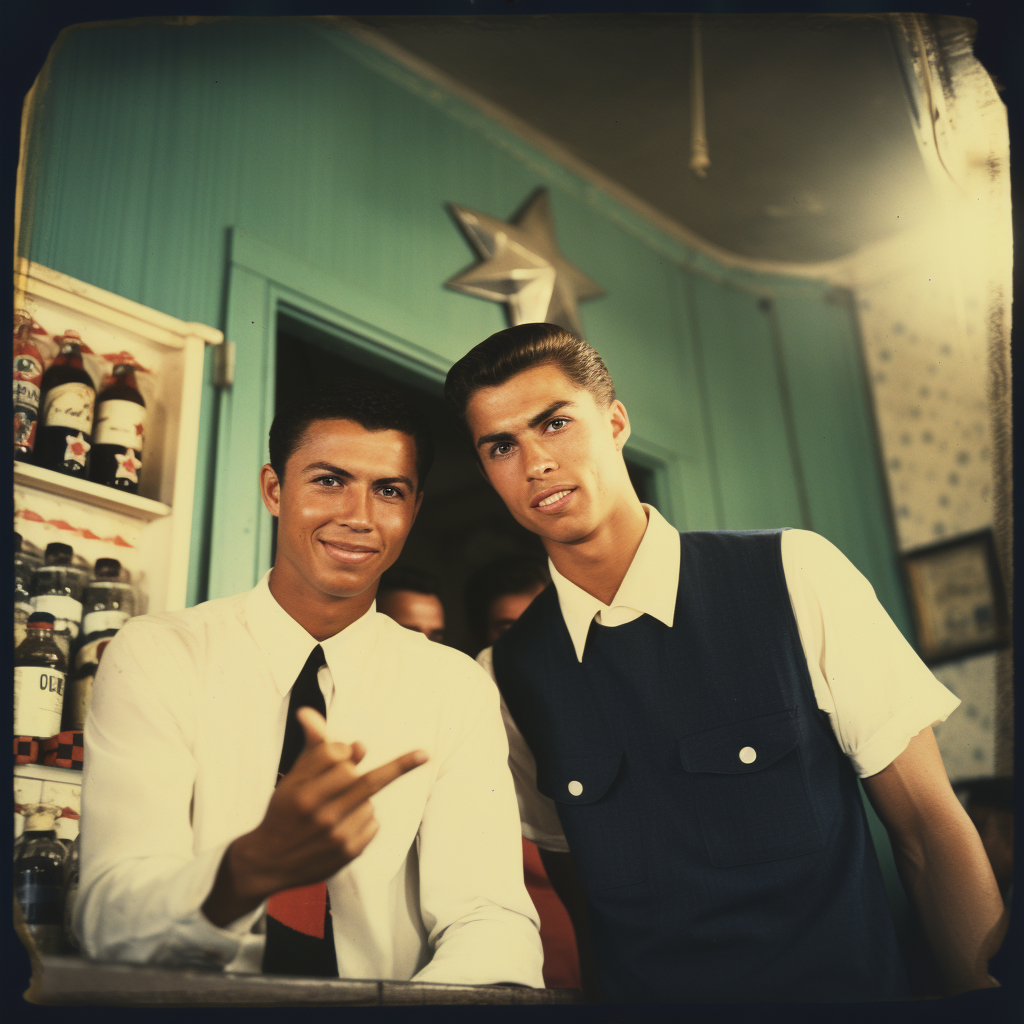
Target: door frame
x,y
263,281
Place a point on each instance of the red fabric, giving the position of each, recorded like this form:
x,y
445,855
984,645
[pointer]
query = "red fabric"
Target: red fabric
x,y
302,909
561,961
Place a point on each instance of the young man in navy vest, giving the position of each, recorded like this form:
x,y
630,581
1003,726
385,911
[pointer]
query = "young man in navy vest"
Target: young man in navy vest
x,y
688,715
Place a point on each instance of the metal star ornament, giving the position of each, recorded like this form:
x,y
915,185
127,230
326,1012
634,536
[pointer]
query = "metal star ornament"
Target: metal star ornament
x,y
522,267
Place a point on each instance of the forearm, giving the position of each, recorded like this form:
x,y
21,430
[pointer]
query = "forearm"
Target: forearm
x,y
240,886
947,876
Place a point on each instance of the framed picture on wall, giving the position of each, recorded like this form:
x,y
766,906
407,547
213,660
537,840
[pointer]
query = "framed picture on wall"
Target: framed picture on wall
x,y
957,597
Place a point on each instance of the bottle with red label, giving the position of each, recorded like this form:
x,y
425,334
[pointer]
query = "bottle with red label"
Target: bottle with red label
x,y
66,412
119,433
28,376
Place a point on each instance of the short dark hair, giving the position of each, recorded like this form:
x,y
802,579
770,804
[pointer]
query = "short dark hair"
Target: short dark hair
x,y
372,406
501,356
515,575
406,577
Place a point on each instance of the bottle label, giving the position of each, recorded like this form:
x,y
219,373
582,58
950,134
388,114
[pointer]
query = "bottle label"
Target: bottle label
x,y
122,423
26,394
70,405
40,903
38,700
66,611
95,622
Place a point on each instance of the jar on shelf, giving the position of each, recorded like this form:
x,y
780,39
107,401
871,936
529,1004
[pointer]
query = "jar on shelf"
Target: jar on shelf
x,y
40,671
58,587
109,600
118,434
25,564
28,379
39,878
67,404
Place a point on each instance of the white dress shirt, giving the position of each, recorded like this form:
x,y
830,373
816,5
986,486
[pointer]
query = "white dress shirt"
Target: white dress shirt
x,y
184,737
876,691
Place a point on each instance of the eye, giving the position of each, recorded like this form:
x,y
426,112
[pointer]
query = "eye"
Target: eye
x,y
495,449
553,424
327,481
390,491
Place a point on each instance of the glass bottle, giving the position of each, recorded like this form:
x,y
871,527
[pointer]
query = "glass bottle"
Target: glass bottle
x,y
39,878
78,694
40,670
109,600
28,377
71,892
67,403
24,565
57,587
118,437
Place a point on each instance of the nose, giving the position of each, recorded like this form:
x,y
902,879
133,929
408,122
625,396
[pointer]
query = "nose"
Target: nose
x,y
538,460
354,508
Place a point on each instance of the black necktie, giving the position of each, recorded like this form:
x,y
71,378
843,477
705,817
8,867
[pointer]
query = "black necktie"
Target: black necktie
x,y
300,937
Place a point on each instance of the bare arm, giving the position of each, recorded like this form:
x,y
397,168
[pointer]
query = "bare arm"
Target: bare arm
x,y
941,863
561,873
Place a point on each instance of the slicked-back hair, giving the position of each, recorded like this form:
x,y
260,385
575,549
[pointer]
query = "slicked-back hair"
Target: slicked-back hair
x,y
373,406
514,575
407,577
501,356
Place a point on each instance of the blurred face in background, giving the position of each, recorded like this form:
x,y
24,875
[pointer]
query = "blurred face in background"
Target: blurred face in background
x,y
504,611
421,612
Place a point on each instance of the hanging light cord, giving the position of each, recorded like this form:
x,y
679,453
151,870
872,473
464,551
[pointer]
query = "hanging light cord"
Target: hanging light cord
x,y
699,161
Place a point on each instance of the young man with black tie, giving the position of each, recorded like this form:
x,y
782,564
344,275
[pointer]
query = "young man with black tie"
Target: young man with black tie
x,y
213,791
688,715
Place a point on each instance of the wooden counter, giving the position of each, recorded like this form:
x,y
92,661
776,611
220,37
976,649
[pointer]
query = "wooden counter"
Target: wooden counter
x,y
74,980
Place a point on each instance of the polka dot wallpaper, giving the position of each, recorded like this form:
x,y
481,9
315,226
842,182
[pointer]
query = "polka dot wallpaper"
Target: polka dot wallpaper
x,y
926,357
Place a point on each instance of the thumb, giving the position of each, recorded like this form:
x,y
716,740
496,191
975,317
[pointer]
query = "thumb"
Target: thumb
x,y
314,725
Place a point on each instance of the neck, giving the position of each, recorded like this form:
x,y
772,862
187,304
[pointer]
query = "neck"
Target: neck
x,y
319,614
598,563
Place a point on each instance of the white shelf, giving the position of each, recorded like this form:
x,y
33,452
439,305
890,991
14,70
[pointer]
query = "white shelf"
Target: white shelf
x,y
49,773
91,493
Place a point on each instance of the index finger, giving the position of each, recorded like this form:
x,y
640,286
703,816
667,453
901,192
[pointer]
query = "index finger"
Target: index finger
x,y
374,781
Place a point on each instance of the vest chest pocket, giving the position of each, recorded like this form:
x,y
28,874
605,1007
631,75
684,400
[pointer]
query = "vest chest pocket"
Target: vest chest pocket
x,y
598,818
749,791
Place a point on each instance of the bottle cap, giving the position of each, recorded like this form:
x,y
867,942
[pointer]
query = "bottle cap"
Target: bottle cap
x,y
40,620
58,554
40,818
72,336
107,568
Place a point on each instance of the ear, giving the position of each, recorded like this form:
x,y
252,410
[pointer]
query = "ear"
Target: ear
x,y
270,490
618,419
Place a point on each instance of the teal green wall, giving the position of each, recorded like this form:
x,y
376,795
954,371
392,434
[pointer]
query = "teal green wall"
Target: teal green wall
x,y
151,143
216,170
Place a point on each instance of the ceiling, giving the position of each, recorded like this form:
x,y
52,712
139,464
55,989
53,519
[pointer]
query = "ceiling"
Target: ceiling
x,y
808,126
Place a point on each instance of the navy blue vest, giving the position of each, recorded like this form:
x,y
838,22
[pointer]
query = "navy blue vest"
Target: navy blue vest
x,y
715,824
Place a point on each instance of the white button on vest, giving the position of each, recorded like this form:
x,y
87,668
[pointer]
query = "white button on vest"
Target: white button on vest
x,y
575,787
748,755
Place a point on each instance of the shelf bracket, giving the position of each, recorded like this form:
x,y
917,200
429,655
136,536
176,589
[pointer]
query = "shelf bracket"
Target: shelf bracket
x,y
224,365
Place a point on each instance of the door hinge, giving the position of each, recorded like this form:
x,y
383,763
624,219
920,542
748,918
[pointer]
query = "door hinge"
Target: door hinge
x,y
224,366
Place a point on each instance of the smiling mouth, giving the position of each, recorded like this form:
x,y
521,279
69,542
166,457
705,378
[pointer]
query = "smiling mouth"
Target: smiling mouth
x,y
555,500
348,554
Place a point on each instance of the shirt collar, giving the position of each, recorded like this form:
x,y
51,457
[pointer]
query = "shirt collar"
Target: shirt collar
x,y
650,585
286,645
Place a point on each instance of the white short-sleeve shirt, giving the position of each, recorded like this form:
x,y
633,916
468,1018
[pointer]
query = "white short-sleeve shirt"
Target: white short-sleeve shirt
x,y
184,737
876,691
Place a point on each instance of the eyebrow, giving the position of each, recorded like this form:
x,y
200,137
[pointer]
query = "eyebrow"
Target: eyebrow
x,y
344,474
535,422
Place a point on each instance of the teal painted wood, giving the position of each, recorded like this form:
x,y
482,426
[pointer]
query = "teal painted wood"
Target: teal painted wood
x,y
758,481
153,141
